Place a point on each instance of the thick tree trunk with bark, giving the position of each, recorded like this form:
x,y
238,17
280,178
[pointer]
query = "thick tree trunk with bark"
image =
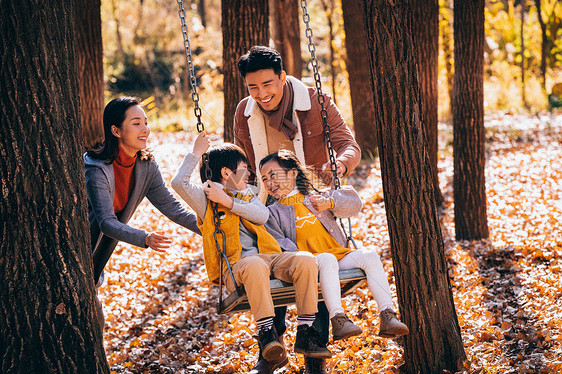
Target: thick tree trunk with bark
x,y
359,78
244,24
47,315
285,32
422,283
469,182
425,33
89,51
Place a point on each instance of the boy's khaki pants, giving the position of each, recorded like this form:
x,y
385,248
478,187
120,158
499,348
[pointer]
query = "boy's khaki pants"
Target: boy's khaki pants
x,y
254,272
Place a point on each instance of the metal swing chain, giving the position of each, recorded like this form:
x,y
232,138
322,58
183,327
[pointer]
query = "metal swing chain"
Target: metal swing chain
x,y
324,114
205,157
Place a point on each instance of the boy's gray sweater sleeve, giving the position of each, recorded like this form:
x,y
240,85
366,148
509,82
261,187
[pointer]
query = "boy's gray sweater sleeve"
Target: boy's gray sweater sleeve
x,y
191,193
347,202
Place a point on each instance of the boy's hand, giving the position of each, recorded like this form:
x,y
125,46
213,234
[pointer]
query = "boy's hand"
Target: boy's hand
x,y
201,145
216,194
158,241
320,203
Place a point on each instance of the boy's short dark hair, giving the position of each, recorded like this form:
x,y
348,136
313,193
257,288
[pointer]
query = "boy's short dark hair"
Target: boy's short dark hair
x,y
260,57
224,155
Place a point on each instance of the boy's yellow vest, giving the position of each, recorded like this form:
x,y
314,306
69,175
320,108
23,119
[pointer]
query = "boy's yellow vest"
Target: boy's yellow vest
x,y
230,225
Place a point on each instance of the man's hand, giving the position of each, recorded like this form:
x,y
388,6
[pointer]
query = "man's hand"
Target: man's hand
x,y
216,194
158,241
320,203
201,145
341,169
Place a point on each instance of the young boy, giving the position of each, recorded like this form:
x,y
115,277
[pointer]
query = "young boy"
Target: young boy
x,y
252,252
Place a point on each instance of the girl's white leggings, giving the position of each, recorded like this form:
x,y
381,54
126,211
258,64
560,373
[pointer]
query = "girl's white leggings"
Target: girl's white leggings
x,y
369,262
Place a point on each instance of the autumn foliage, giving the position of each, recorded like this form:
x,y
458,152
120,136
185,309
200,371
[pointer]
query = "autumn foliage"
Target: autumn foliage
x,y
161,309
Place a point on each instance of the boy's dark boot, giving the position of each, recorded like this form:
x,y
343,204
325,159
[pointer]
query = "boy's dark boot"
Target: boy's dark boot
x,y
268,367
314,365
270,346
309,343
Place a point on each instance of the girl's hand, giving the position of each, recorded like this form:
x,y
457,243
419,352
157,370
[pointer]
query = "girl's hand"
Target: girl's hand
x,y
216,194
201,145
158,241
320,203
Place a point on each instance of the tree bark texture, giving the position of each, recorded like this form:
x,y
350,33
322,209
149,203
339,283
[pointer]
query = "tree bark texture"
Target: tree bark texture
x,y
244,24
359,78
422,283
425,34
469,156
285,32
89,51
47,314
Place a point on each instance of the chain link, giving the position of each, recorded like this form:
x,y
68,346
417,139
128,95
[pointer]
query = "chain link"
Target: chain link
x,y
205,158
324,114
317,80
192,80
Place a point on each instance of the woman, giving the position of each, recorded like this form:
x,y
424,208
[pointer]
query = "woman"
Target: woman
x,y
119,174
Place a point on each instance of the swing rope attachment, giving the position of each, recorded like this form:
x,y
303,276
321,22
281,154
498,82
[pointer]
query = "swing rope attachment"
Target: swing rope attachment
x,y
205,161
324,114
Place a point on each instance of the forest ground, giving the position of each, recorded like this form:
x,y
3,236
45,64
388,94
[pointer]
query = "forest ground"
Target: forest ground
x,y
161,309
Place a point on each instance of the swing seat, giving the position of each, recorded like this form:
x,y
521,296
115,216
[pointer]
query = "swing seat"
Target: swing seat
x,y
283,293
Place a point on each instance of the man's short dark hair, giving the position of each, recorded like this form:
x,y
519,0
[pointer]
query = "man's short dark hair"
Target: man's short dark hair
x,y
260,57
224,155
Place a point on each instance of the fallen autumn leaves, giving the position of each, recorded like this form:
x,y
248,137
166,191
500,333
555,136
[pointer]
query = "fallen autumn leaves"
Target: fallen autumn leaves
x,y
161,310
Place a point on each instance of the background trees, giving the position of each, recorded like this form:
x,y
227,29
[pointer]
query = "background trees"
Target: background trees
x,y
47,315
468,121
244,24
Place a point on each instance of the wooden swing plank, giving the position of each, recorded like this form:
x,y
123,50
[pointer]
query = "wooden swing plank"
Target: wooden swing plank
x,y
284,293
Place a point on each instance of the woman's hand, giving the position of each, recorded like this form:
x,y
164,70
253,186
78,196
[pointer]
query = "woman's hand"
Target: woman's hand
x,y
216,194
158,241
321,203
201,145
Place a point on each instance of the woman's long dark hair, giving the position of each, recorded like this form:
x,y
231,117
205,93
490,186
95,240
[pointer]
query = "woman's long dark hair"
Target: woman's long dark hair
x,y
289,161
114,115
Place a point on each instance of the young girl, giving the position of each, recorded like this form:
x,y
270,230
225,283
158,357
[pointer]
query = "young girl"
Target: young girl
x,y
119,175
308,219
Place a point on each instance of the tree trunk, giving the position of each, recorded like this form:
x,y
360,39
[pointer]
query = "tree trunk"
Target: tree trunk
x,y
447,41
89,52
469,156
422,283
115,13
201,11
522,36
544,41
328,11
285,32
359,78
47,314
244,24
425,34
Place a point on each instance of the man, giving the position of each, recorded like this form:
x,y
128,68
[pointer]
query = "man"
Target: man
x,y
282,113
